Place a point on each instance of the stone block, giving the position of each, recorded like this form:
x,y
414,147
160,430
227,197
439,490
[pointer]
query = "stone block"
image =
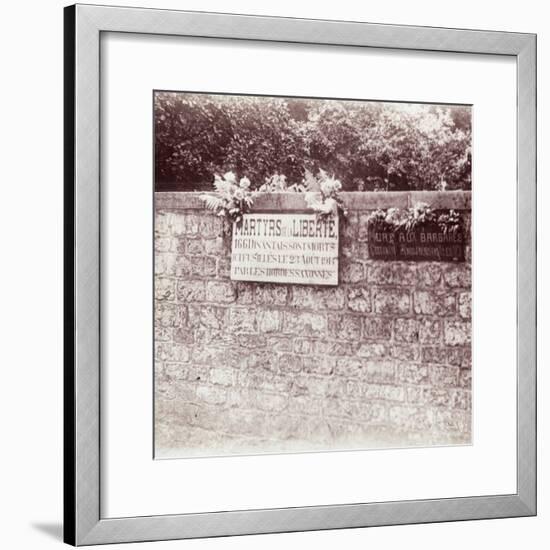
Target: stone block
x,y
319,365
429,275
359,299
391,273
344,327
430,331
373,351
269,320
405,330
242,320
165,289
168,314
458,276
434,354
391,301
443,376
458,333
190,291
349,367
405,352
382,372
352,272
220,292
211,394
195,247
303,323
428,302
465,305
271,295
222,376
290,363
408,418
376,328
410,373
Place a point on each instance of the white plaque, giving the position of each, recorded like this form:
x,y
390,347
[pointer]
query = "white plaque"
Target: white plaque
x,y
285,248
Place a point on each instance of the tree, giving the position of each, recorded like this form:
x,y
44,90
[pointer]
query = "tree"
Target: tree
x,y
366,145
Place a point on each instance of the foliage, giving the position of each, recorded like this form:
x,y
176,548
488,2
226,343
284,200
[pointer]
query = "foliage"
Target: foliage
x,y
421,214
231,199
277,183
322,194
368,145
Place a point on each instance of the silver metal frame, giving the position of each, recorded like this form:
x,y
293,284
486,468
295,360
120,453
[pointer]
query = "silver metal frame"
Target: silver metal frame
x,y
82,522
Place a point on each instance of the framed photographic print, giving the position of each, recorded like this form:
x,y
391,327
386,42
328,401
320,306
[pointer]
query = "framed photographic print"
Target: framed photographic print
x,y
299,274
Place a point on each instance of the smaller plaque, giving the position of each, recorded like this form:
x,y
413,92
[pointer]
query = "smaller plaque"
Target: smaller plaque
x,y
285,248
425,243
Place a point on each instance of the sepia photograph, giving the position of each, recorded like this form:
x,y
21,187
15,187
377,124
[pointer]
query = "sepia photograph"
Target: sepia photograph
x,y
312,274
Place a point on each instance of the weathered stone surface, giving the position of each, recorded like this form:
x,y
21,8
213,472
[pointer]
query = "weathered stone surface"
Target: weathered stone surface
x,y
458,333
212,317
269,320
394,301
344,327
373,351
434,354
349,367
191,291
405,352
435,396
359,299
460,357
413,374
211,394
434,303
289,362
405,330
210,266
319,364
429,275
214,247
352,272
391,273
410,418
168,314
242,320
383,392
383,358
443,376
457,276
376,328
304,323
430,331
270,295
195,247
168,351
220,292
465,305
165,264
222,376
165,289
379,371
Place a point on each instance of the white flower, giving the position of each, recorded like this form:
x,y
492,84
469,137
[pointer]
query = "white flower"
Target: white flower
x,y
230,177
244,183
330,186
329,206
238,194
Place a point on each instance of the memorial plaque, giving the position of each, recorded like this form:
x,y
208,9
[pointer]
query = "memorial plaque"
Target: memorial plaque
x,y
425,243
285,248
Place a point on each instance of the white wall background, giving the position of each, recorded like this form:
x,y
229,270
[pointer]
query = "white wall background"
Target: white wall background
x,y
31,271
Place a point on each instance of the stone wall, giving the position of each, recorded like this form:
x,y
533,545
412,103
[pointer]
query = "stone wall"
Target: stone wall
x,y
383,359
